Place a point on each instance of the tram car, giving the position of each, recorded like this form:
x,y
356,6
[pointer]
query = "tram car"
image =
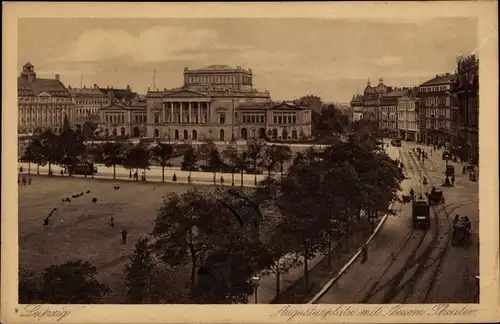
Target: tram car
x,y
421,214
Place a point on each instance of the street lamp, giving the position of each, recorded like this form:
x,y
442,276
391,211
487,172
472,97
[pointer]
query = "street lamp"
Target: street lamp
x,y
255,282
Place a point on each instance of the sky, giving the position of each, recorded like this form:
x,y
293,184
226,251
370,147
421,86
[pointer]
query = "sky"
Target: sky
x,y
290,57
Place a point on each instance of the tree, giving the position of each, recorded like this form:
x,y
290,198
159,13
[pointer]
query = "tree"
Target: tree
x,y
113,155
189,159
241,163
270,158
180,230
139,272
34,154
51,150
72,283
71,146
88,131
300,210
231,153
283,155
206,149
162,153
137,158
66,127
254,153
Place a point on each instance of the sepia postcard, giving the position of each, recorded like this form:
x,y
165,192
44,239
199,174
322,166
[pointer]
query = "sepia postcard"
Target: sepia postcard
x,y
300,162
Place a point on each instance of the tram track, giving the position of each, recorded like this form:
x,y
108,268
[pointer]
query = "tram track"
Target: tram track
x,y
408,265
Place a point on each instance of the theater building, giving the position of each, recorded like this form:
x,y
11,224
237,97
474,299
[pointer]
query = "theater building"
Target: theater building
x,y
219,102
42,103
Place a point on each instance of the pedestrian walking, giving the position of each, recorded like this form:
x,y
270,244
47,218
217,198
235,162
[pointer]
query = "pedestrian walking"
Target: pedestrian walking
x,y
112,221
24,180
21,169
130,174
124,237
221,180
174,178
29,181
62,172
452,179
189,178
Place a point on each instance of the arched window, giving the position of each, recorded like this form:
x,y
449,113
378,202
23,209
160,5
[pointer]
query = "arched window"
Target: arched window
x,y
253,133
244,134
194,135
122,131
157,133
186,136
222,118
176,135
294,134
284,134
221,135
137,133
115,132
275,133
157,119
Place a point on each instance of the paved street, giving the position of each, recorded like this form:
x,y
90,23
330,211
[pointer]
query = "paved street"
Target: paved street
x,y
155,175
417,266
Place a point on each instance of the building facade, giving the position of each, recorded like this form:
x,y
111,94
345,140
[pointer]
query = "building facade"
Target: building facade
x,y
125,115
466,118
435,112
408,121
87,101
42,103
369,102
207,106
388,111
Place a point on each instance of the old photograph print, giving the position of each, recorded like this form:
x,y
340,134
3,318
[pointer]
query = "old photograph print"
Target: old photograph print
x,y
248,161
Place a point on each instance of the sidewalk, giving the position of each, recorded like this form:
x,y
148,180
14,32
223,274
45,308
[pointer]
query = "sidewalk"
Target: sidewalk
x,y
155,175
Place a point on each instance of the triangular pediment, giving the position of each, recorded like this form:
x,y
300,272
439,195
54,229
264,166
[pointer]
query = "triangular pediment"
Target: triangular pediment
x,y
44,94
286,106
185,94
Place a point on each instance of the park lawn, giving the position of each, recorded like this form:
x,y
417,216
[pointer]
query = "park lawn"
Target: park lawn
x,y
80,229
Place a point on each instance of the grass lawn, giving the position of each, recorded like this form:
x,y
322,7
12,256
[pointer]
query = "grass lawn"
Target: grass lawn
x,y
81,230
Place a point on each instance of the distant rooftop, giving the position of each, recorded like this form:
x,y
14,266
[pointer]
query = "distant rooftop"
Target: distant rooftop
x,y
440,79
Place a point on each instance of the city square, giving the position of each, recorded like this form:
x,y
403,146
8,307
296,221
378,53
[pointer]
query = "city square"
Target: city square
x,y
225,179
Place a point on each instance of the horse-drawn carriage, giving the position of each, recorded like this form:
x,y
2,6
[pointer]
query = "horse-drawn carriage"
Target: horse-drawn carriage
x,y
436,197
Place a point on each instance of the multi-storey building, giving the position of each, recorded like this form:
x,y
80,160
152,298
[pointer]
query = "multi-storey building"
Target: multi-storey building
x,y
369,102
208,106
466,121
408,121
435,112
87,103
125,115
42,103
388,111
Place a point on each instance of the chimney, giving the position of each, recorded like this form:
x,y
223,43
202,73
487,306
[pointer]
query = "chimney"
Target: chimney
x,y
57,77
95,86
128,87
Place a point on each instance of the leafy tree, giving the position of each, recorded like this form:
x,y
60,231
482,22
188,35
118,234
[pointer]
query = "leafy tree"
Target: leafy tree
x,y
300,210
139,272
113,155
206,149
162,153
71,147
240,161
137,158
51,149
66,127
189,159
255,153
231,153
283,155
88,131
237,255
72,283
180,229
270,158
34,154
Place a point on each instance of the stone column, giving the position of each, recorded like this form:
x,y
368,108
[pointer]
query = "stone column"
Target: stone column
x,y
189,113
181,112
171,106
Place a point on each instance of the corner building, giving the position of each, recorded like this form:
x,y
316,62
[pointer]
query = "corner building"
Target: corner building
x,y
42,103
219,102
